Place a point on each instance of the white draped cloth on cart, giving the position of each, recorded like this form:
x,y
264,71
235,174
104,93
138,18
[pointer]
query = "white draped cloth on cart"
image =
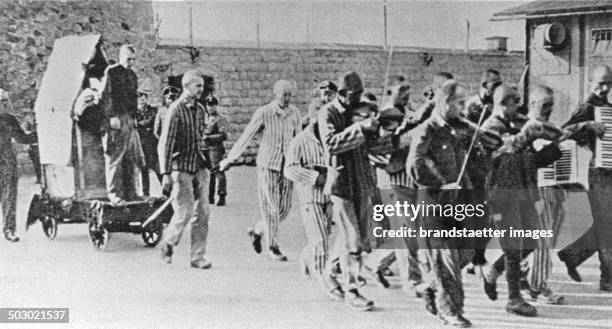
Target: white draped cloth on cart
x,y
59,89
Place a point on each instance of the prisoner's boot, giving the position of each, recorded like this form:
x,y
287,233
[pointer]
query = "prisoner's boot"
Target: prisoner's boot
x,y
255,240
201,264
490,283
332,287
221,201
166,253
572,271
455,320
520,307
429,297
10,236
355,300
275,254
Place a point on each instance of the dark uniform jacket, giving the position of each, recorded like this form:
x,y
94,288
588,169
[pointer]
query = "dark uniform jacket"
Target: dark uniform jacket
x,y
348,146
215,133
122,85
585,113
435,159
513,175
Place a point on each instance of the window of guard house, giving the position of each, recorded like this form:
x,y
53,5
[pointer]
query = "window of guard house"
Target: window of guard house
x,y
600,42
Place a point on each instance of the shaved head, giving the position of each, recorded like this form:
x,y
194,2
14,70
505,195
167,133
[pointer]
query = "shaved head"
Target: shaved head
x,y
505,101
601,81
541,102
127,55
451,98
283,91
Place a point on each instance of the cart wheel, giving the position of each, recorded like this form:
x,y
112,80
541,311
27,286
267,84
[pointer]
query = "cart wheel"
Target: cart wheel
x,y
151,238
99,236
49,225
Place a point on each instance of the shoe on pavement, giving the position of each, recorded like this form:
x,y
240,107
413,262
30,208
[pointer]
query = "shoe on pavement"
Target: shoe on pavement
x,y
166,253
456,320
550,297
304,270
201,264
572,271
10,236
255,240
490,288
276,254
211,199
429,296
332,287
380,277
355,300
221,201
521,307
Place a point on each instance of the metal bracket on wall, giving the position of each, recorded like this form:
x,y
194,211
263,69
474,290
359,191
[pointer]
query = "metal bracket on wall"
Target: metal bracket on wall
x,y
427,58
193,52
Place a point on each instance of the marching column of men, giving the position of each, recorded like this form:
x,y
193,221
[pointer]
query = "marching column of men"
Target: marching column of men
x,y
436,155
426,159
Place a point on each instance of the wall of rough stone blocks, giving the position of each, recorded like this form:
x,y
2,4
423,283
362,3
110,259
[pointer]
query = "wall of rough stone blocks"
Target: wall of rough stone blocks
x,y
244,76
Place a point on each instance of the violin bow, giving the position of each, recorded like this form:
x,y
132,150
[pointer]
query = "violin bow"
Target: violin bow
x,y
387,71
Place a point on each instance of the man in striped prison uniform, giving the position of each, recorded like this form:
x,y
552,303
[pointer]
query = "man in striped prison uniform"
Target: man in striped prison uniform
x,y
184,169
306,166
348,137
278,122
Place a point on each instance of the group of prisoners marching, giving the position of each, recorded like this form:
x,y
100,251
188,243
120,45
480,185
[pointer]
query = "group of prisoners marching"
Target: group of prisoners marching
x,y
454,148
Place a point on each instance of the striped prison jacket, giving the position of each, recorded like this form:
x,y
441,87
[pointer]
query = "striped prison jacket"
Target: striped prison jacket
x,y
304,155
182,131
278,126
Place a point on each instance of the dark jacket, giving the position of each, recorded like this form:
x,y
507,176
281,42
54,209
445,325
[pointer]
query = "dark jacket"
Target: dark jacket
x,y
585,112
348,146
215,134
121,92
513,175
436,156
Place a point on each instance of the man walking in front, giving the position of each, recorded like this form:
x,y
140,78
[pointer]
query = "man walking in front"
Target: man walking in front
x,y
278,123
184,170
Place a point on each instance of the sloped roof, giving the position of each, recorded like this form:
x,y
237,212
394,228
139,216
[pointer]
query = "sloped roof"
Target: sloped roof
x,y
553,8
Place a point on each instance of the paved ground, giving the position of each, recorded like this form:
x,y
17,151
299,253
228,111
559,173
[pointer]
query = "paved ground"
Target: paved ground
x,y
126,286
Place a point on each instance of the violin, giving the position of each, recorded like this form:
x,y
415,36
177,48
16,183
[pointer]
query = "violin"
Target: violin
x,y
465,128
390,118
543,129
363,111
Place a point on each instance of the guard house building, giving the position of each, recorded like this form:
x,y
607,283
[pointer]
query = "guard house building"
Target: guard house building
x,y
564,41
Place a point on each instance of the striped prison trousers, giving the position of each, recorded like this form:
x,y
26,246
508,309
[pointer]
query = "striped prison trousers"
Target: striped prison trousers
x,y
316,219
275,193
552,215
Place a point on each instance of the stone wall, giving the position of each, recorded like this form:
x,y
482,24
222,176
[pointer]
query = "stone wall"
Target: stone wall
x,y
244,75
